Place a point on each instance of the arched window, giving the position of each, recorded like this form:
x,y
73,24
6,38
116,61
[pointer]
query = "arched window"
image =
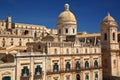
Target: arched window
x,y
78,65
86,64
67,66
25,71
113,36
38,70
87,77
77,77
55,51
55,67
95,64
96,76
105,36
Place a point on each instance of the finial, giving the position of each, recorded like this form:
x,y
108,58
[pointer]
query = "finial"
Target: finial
x,y
66,6
108,14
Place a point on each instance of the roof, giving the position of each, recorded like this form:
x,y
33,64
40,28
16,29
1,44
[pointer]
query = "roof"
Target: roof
x,y
88,35
9,49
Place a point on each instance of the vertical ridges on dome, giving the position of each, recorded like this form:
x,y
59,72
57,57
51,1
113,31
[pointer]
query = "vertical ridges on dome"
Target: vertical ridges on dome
x,y
66,6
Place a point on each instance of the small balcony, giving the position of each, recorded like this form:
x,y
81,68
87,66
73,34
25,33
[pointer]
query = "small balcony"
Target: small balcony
x,y
25,77
38,76
50,72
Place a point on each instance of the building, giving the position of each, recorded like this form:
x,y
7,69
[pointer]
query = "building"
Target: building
x,y
62,55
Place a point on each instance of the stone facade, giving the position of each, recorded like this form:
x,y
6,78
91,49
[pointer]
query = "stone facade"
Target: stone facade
x,y
33,52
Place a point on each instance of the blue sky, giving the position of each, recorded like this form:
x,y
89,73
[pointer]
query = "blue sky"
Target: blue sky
x,y
89,13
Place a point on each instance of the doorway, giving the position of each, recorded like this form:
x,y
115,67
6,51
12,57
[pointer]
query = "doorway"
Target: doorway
x,y
77,77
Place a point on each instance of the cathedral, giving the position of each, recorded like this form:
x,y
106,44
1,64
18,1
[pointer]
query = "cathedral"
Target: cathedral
x,y
35,52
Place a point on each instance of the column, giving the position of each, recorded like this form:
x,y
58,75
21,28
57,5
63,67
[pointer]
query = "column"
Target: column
x,y
73,63
91,62
81,63
100,75
62,76
100,62
91,75
31,66
18,66
81,76
95,41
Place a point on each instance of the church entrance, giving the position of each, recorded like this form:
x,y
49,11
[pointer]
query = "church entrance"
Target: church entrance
x,y
6,78
77,77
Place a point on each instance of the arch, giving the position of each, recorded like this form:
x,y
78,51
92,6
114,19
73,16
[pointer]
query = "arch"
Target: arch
x,y
78,65
96,76
77,77
68,66
6,78
8,58
55,67
96,64
38,70
25,71
87,77
86,64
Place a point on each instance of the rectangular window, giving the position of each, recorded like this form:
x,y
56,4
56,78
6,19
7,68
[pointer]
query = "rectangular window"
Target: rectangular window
x,y
55,51
73,30
67,51
86,51
76,51
105,36
66,30
95,50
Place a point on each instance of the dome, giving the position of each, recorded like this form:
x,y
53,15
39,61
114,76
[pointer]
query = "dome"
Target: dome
x,y
66,16
108,18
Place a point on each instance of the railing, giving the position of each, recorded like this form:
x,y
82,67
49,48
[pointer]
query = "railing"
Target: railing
x,y
71,70
38,76
28,77
25,77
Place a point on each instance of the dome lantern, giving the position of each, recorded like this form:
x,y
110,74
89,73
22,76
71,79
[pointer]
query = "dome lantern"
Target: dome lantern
x,y
66,23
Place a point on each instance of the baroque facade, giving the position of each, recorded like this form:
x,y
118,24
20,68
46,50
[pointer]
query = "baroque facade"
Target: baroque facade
x,y
33,52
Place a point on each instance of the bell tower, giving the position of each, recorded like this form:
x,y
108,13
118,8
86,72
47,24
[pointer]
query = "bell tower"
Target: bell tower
x,y
110,48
